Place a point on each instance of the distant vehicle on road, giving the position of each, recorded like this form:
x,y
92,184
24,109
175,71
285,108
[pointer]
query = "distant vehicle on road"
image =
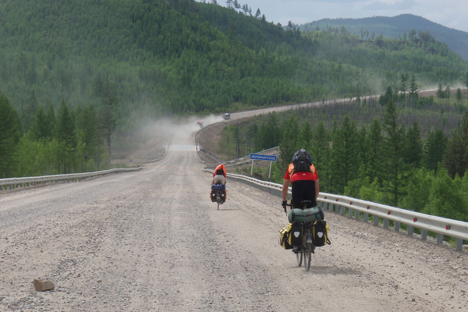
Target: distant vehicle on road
x,y
200,123
227,116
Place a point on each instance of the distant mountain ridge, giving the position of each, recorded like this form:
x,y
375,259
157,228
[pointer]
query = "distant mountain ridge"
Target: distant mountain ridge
x,y
456,40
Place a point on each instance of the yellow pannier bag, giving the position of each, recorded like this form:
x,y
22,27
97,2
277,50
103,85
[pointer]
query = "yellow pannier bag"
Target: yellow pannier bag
x,y
284,237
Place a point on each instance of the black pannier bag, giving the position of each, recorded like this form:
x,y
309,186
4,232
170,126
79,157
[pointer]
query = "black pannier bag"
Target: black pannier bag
x,y
295,234
320,233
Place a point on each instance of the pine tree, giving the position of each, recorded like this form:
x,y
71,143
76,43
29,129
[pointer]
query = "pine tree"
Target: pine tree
x,y
403,84
447,92
414,88
388,96
258,13
414,146
39,129
456,155
10,133
50,121
289,141
459,96
86,124
374,141
434,149
320,151
345,155
30,111
305,136
394,166
440,92
108,116
65,133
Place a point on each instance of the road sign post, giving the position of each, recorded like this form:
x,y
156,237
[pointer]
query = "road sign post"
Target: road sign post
x,y
270,158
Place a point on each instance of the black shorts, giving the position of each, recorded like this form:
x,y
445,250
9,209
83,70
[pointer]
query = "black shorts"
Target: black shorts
x,y
303,190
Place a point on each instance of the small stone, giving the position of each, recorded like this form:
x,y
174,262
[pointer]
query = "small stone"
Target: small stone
x,y
43,285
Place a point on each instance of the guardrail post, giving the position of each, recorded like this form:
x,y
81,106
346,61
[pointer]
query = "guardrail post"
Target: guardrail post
x,y
385,223
343,210
424,234
397,226
366,217
440,239
376,220
350,212
357,214
459,244
410,230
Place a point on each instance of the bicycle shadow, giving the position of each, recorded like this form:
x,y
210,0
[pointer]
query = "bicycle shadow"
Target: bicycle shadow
x,y
332,270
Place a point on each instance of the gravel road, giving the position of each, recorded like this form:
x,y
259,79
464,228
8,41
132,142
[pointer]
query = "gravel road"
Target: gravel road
x,y
153,241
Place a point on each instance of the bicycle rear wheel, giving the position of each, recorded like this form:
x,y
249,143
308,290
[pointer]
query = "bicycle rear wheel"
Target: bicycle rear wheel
x,y
299,258
308,250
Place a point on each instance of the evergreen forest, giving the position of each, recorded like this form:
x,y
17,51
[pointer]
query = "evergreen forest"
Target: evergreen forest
x,y
77,79
397,149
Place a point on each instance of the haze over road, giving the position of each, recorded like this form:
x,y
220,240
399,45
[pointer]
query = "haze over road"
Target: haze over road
x,y
153,241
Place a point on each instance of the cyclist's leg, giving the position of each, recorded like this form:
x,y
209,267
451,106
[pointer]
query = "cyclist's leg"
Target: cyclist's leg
x,y
219,179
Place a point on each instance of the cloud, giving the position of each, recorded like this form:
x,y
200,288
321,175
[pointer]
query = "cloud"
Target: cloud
x,y
390,5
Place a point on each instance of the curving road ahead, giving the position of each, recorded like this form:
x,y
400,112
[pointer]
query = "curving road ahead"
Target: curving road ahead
x,y
153,241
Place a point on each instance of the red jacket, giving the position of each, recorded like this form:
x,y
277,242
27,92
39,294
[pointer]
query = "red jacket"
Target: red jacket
x,y
222,168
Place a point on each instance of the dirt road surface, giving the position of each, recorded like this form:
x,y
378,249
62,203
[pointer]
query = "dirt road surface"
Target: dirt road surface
x,y
153,241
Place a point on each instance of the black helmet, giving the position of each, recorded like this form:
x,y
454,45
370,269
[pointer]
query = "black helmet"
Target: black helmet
x,y
302,154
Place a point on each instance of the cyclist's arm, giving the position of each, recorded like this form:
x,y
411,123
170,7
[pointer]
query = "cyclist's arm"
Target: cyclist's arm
x,y
317,189
284,191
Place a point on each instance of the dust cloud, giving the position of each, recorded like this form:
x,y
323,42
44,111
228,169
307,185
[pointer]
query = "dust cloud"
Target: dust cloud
x,y
178,130
148,138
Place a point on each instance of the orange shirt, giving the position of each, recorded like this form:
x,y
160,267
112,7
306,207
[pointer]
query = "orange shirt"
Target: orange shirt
x,y
300,176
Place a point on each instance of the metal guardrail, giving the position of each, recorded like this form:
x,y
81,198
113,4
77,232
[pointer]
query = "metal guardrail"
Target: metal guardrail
x,y
355,208
240,161
12,183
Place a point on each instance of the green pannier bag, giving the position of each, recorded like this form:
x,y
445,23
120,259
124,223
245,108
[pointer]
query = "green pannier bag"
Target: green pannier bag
x,y
308,215
284,237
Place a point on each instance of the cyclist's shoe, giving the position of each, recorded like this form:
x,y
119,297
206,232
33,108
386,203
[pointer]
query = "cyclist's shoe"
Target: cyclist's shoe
x,y
296,250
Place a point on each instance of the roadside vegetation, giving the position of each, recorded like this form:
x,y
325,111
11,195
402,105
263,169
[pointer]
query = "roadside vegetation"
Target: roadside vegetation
x,y
399,149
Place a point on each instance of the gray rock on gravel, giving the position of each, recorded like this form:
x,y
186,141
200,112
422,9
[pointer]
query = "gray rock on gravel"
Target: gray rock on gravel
x,y
43,285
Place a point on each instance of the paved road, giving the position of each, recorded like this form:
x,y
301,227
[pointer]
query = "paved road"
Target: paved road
x,y
153,241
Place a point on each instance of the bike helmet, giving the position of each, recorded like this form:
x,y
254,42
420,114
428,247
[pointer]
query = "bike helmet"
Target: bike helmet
x,y
302,154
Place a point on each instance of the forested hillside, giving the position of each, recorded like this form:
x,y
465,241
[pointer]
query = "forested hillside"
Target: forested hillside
x,y
78,77
400,149
402,26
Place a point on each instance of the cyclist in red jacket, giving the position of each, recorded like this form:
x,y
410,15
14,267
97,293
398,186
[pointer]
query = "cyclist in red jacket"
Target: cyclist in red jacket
x,y
219,175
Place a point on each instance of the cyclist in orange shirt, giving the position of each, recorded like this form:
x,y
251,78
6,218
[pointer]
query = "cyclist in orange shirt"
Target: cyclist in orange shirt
x,y
304,178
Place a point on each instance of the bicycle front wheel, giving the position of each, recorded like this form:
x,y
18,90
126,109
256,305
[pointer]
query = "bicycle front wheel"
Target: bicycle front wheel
x,y
307,256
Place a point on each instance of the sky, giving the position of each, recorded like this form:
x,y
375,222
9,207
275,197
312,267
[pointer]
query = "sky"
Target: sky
x,y
449,13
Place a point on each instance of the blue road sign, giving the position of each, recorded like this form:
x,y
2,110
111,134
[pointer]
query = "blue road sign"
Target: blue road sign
x,y
263,157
